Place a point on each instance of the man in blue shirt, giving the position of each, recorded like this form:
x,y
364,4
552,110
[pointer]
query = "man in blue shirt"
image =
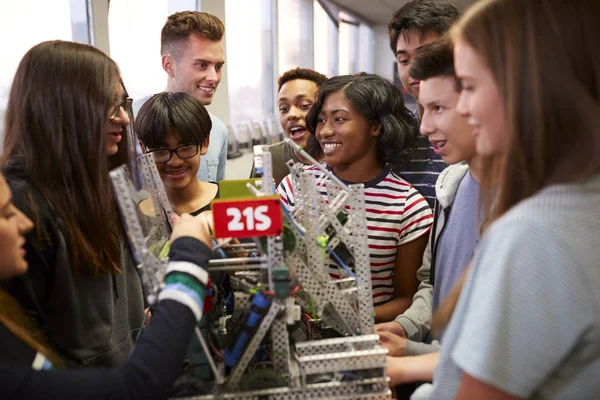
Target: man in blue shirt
x,y
417,23
192,56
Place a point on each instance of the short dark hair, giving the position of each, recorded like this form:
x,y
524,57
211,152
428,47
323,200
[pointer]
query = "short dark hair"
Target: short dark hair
x,y
181,25
179,113
423,16
301,73
434,59
380,101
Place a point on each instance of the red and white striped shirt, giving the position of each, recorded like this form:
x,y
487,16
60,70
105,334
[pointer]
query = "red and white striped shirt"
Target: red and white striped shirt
x,y
396,214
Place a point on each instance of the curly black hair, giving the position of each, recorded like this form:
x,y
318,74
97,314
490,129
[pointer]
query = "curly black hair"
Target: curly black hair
x,y
301,73
378,100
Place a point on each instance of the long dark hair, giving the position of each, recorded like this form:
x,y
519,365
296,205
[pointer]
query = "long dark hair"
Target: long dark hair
x,y
55,130
379,101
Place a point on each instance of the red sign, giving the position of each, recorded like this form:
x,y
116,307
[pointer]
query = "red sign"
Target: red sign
x,y
241,218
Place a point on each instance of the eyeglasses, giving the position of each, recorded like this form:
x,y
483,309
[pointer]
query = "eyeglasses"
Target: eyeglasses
x,y
184,151
126,104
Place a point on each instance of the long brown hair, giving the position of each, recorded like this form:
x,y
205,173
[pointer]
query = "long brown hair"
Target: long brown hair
x,y
546,64
55,129
547,67
23,326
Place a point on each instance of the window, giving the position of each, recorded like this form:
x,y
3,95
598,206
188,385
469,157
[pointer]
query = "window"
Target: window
x,y
80,17
366,49
348,48
134,33
325,42
295,25
250,61
356,49
52,20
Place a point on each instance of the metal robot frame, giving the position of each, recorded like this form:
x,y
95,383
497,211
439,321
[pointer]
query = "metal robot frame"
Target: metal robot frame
x,y
355,361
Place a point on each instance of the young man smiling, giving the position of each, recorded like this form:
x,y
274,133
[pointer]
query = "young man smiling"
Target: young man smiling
x,y
457,221
295,97
415,24
193,58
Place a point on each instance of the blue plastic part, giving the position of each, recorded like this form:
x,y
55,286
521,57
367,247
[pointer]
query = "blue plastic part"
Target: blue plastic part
x,y
258,308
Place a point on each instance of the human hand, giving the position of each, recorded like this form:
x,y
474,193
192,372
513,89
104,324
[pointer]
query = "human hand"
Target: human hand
x,y
197,227
392,327
412,369
395,344
395,371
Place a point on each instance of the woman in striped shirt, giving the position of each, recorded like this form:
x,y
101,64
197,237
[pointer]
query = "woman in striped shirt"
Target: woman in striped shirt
x,y
366,133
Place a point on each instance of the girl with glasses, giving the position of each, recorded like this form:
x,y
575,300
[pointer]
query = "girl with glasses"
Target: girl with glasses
x,y
63,134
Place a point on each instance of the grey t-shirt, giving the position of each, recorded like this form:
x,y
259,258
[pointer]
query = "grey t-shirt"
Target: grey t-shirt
x,y
458,239
528,320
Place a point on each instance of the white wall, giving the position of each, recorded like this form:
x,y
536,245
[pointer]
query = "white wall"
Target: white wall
x,y
384,58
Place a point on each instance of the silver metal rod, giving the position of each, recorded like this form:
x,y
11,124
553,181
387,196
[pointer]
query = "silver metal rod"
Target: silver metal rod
x,y
238,260
244,245
218,377
220,245
236,267
254,190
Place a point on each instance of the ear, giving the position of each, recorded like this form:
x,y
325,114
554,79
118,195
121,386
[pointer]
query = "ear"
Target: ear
x,y
168,65
144,150
376,131
204,146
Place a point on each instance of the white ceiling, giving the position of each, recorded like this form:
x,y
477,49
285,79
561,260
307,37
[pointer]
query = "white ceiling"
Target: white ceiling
x,y
380,11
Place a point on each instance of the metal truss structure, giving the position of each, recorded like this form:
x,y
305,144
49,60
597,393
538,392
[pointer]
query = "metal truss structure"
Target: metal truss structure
x,y
350,366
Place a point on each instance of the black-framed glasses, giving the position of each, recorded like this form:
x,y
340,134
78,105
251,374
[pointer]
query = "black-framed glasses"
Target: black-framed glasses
x,y
184,151
126,104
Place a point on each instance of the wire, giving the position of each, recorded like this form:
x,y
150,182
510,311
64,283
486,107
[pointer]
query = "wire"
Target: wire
x,y
214,348
342,264
293,221
295,290
216,292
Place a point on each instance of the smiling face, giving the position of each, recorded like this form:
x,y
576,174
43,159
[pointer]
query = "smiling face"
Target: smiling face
x,y
117,125
347,138
480,101
177,173
294,100
198,68
448,132
407,45
13,226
